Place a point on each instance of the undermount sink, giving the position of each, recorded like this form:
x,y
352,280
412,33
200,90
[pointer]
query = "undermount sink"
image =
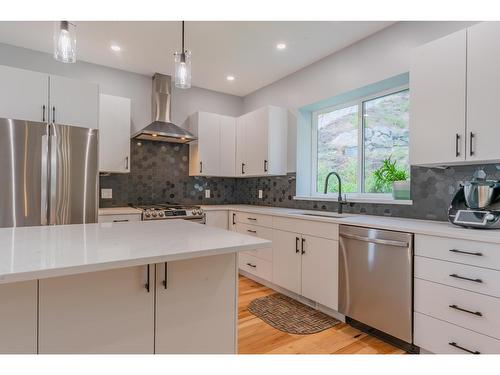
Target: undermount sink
x,y
331,215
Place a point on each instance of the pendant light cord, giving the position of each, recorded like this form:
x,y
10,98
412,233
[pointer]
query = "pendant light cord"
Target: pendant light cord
x,y
182,37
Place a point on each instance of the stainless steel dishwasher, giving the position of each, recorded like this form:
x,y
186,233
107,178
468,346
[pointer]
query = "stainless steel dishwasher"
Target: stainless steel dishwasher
x,y
376,279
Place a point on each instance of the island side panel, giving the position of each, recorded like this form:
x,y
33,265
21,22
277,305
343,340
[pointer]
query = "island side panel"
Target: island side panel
x,y
18,318
196,312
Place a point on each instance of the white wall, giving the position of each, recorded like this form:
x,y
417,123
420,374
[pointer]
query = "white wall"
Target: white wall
x,y
137,87
380,56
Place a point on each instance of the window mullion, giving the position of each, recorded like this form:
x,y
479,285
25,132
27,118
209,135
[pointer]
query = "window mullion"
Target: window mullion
x,y
361,147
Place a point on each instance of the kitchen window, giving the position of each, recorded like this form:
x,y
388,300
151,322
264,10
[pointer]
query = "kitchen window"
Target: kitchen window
x,y
353,139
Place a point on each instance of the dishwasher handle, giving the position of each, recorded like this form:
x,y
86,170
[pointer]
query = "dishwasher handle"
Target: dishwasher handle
x,y
375,240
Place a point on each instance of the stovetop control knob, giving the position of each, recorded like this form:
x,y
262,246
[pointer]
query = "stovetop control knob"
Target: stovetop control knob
x,y
147,214
154,214
160,214
490,217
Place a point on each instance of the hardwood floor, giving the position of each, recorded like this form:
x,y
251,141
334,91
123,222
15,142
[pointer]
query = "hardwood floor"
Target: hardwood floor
x,y
257,337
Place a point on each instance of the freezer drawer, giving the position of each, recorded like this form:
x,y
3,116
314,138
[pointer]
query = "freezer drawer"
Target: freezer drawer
x,y
375,279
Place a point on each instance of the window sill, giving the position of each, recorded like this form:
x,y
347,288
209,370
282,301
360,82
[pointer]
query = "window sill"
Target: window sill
x,y
356,200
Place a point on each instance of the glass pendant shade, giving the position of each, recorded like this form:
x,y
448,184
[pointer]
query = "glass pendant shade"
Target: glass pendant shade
x,y
65,42
183,70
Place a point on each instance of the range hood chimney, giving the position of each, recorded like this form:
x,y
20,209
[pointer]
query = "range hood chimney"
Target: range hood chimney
x,y
162,129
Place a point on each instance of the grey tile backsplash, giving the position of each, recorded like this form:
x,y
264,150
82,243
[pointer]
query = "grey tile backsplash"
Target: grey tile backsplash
x,y
159,174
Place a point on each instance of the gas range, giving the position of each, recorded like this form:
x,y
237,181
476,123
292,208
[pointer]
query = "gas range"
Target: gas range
x,y
172,211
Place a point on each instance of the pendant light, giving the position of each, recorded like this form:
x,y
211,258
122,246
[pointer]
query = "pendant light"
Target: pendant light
x,y
183,66
65,42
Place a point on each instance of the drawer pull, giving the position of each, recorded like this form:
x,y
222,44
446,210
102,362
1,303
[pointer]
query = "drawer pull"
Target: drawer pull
x,y
477,313
120,220
466,252
454,344
251,265
465,278
252,218
251,231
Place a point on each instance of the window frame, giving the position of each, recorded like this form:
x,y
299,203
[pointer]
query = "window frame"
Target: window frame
x,y
361,194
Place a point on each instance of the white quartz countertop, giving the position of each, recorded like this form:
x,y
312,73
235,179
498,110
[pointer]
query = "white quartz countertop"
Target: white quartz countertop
x,y
28,253
434,228
119,211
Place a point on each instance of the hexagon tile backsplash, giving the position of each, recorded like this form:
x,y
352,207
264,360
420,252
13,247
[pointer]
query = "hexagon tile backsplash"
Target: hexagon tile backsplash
x,y
159,174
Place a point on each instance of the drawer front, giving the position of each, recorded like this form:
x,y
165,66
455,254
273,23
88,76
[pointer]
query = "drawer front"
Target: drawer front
x,y
256,266
438,337
308,227
475,279
255,219
261,232
119,218
473,311
474,253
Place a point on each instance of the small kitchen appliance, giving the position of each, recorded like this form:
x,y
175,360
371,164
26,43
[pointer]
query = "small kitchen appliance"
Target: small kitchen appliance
x,y
477,203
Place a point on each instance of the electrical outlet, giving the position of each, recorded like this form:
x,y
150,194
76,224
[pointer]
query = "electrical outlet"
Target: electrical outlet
x,y
260,194
207,193
106,193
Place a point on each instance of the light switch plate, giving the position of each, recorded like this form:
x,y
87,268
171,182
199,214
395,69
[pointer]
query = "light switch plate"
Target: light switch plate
x,y
260,194
207,193
106,193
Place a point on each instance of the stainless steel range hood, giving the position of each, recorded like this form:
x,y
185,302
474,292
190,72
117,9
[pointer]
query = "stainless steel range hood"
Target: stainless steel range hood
x,y
161,128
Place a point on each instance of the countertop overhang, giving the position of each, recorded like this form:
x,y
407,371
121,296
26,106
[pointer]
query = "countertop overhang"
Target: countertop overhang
x,y
28,253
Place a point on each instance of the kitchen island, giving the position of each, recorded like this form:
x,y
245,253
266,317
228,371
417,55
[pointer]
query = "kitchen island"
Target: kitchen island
x,y
136,287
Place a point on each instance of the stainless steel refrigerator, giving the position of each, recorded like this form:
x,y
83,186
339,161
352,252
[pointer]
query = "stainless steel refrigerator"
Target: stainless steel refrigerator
x,y
48,174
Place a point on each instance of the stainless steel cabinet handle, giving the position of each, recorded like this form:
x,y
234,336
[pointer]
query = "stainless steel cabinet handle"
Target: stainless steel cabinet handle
x,y
454,344
252,265
43,113
201,167
457,140
242,168
466,252
465,278
302,251
477,313
147,280
265,165
251,231
53,115
297,239
252,218
120,220
375,240
126,162
234,216
165,279
471,137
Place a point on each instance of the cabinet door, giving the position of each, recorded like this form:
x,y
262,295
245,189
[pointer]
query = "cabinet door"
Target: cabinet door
x,y
209,144
18,318
196,307
114,134
227,146
23,94
483,81
98,312
287,260
216,219
256,134
74,102
277,141
437,89
320,270
241,146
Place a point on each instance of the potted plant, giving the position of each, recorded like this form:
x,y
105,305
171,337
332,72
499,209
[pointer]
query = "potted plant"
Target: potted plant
x,y
391,174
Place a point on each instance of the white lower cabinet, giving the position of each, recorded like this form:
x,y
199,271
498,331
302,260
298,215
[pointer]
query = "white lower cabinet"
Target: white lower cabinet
x,y
196,306
218,219
99,312
287,260
18,318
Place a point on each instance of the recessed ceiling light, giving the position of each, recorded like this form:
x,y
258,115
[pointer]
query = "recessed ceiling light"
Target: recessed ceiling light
x,y
116,47
230,78
280,46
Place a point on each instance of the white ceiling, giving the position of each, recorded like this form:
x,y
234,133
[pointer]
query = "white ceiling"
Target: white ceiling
x,y
246,50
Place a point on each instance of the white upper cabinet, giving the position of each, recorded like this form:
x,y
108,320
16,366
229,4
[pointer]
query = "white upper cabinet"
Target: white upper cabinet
x,y
23,94
74,102
261,142
438,97
114,134
213,153
483,95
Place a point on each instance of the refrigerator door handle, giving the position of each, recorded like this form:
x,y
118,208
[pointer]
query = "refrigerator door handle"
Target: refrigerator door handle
x,y
44,183
53,175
